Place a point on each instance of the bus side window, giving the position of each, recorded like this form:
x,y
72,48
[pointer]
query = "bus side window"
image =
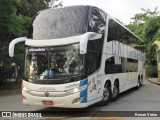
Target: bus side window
x,y
110,66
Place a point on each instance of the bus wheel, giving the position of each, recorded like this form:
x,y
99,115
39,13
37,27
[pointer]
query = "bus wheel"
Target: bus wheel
x,y
141,81
115,93
106,95
138,84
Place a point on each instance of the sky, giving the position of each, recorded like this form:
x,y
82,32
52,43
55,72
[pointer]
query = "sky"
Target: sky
x,y
124,10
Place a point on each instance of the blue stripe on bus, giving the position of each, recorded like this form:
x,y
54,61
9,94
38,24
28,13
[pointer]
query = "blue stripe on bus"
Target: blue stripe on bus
x,y
83,93
83,82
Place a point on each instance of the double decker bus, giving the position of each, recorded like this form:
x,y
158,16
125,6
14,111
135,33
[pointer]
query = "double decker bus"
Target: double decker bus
x,y
77,56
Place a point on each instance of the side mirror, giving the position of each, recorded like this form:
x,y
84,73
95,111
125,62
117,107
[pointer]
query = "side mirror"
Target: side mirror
x,y
12,44
85,38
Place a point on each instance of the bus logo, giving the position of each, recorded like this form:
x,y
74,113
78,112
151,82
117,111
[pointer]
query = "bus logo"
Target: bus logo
x,y
46,94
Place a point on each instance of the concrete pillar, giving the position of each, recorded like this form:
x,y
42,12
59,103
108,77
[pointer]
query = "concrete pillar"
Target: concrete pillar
x,y
158,75
156,45
158,64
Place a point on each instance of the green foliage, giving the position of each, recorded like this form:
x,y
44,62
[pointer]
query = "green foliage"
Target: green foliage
x,y
138,30
140,18
151,71
157,35
26,23
151,28
55,3
151,13
147,27
10,27
31,7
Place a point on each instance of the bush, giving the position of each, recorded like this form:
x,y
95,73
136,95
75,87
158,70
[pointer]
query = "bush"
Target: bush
x,y
151,71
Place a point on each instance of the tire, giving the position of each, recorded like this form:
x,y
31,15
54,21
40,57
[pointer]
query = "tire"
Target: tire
x,y
138,85
141,81
115,92
106,95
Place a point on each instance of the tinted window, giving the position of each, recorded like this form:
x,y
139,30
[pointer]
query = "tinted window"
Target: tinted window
x,y
61,61
93,56
95,45
59,23
110,66
118,64
97,22
92,62
118,33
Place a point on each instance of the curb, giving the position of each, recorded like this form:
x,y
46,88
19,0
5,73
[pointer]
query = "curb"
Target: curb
x,y
155,82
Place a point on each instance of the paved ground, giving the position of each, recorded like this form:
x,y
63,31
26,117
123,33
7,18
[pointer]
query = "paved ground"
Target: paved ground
x,y
147,98
154,80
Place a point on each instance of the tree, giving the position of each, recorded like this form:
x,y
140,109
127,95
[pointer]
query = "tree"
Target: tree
x,y
10,26
147,26
55,3
151,33
31,7
152,13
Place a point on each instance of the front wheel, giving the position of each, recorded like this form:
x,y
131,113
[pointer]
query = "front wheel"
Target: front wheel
x,y
106,95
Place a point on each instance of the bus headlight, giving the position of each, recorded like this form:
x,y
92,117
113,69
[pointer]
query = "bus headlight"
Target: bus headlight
x,y
76,89
25,89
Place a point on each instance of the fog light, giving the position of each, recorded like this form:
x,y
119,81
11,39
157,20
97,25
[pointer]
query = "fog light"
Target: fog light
x,y
76,100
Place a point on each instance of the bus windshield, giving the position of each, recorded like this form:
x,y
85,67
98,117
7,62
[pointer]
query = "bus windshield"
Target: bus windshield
x,y
59,23
49,63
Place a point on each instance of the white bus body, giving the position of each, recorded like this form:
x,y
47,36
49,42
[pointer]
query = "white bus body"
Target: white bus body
x,y
78,58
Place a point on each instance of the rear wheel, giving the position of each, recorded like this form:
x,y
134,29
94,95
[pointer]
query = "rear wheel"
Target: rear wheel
x,y
138,85
115,92
141,81
106,95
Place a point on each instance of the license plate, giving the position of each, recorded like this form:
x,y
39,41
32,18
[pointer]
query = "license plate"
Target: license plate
x,y
47,102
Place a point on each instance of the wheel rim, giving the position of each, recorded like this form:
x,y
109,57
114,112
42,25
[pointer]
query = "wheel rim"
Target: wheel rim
x,y
105,94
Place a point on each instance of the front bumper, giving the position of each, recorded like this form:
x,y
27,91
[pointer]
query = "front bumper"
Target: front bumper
x,y
65,102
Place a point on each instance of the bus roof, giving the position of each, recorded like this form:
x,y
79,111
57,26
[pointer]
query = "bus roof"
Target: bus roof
x,y
85,11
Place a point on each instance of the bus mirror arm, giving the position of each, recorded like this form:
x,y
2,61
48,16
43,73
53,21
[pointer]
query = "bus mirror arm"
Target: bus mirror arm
x,y
85,38
12,44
